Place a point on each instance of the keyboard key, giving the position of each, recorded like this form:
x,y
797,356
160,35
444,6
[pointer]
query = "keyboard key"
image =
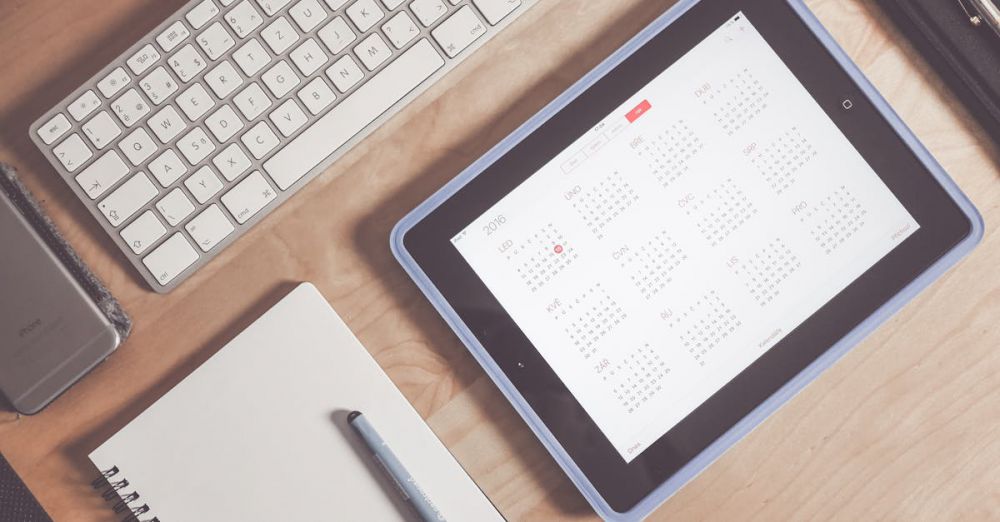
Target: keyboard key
x,y
391,4
195,146
144,59
143,232
244,18
130,107
260,140
195,102
336,35
353,114
102,174
113,82
203,184
209,228
127,199
248,197
272,6
373,51
458,31
72,152
400,29
166,124
280,35
345,73
252,57
365,14
428,11
54,128
335,4
202,13
223,79
158,86
280,79
496,10
252,102
288,117
308,57
171,258
101,130
173,36
215,41
167,168
187,63
175,206
307,14
317,95
224,123
232,162
137,146
87,103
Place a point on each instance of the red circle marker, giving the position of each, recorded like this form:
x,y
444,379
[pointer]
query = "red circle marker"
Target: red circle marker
x,y
558,249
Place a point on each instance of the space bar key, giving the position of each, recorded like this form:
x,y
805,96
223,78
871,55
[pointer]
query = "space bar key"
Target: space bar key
x,y
353,114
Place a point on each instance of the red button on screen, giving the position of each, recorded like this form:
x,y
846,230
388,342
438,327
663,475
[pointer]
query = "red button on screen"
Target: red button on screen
x,y
639,110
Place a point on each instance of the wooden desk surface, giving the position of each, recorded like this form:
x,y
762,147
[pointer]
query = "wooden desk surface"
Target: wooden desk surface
x,y
906,427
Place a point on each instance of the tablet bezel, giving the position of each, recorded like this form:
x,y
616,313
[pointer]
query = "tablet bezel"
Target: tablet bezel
x,y
943,225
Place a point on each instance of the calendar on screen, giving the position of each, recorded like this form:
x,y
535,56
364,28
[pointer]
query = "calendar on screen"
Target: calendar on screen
x,y
588,318
720,211
650,264
634,376
832,220
605,201
668,153
688,232
541,256
766,270
781,160
736,101
703,325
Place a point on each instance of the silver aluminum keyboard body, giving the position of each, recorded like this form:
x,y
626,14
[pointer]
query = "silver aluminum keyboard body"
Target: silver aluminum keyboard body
x,y
170,189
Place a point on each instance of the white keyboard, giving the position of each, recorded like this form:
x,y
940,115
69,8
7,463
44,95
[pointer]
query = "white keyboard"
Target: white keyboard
x,y
226,109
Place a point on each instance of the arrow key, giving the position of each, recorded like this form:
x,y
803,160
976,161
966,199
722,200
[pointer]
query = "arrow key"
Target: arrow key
x,y
143,232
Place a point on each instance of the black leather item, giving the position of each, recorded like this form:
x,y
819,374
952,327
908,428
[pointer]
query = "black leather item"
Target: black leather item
x,y
17,503
966,57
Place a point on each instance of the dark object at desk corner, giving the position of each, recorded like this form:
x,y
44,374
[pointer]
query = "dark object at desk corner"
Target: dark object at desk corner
x,y
16,501
967,58
11,185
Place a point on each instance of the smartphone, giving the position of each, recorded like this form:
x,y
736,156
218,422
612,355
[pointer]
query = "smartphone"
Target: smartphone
x,y
51,332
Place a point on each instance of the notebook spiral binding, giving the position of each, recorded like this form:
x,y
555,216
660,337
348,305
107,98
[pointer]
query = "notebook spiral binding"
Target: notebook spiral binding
x,y
113,484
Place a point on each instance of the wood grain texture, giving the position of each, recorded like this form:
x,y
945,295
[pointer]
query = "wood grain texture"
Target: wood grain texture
x,y
907,426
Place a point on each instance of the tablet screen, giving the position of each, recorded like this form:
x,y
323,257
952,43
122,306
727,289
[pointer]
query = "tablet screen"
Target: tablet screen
x,y
684,235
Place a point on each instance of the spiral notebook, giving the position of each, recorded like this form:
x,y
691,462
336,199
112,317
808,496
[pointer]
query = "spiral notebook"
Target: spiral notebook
x,y
258,433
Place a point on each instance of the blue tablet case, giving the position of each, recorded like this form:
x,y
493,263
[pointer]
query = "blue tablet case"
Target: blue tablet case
x,y
786,392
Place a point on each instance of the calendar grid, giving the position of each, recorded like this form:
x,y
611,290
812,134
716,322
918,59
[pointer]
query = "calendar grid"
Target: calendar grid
x,y
736,101
780,161
604,202
704,325
589,318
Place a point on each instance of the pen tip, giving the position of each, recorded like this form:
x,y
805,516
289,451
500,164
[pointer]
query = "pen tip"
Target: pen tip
x,y
353,415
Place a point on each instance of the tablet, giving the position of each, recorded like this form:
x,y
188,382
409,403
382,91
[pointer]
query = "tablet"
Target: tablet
x,y
672,248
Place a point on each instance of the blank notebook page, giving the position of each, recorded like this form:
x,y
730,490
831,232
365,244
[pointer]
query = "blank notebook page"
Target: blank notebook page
x,y
259,432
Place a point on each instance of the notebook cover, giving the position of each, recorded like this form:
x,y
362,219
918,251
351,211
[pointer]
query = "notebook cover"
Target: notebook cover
x,y
967,58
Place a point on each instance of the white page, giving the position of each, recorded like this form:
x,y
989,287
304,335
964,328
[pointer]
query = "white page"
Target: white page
x,y
250,435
